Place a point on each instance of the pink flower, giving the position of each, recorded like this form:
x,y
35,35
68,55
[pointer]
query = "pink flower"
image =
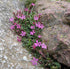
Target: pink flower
x,y
33,22
19,10
18,39
34,61
15,24
29,11
37,43
42,26
23,33
12,27
34,47
39,15
18,26
32,27
43,46
36,18
18,16
23,17
33,4
11,19
36,24
39,36
26,9
39,25
32,32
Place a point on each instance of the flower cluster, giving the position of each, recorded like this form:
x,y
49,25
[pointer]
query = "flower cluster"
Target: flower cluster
x,y
39,44
11,19
36,18
21,17
27,26
32,32
39,36
18,39
23,33
16,25
39,25
32,27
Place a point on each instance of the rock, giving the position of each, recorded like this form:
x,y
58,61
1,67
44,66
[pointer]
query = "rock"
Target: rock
x,y
66,0
54,34
63,56
52,37
25,58
51,14
66,17
56,31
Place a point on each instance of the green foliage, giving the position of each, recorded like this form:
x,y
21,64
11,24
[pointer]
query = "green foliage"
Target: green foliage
x,y
28,2
64,0
57,64
68,0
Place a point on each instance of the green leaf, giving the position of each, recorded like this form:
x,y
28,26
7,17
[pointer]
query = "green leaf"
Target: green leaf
x,y
57,64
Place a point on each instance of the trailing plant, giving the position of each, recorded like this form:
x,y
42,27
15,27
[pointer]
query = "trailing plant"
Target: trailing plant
x,y
29,28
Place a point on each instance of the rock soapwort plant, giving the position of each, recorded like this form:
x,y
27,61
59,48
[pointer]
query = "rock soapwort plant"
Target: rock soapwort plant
x,y
28,27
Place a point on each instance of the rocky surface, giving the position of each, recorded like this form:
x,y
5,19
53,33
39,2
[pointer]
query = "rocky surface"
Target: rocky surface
x,y
55,14
63,56
52,17
52,11
12,54
54,34
66,18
